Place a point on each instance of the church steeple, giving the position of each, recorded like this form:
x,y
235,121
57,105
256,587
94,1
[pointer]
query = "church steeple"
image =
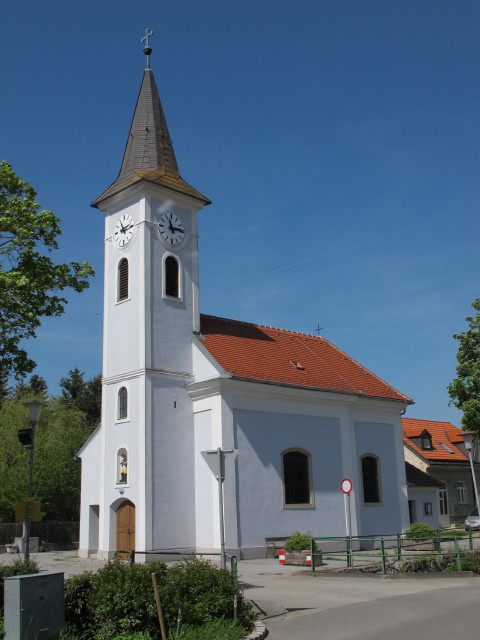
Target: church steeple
x,y
149,153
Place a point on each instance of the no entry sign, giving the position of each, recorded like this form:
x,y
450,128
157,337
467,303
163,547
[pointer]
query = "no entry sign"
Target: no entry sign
x,y
346,485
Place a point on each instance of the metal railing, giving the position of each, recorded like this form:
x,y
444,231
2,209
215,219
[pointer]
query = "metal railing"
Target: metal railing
x,y
132,554
388,547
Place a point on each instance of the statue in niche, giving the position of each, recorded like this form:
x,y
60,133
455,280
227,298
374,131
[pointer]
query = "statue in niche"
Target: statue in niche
x,y
123,468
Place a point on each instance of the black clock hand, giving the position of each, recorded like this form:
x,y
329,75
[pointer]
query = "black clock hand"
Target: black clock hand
x,y
176,229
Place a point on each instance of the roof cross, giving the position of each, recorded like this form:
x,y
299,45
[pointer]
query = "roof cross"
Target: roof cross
x,y
147,49
318,329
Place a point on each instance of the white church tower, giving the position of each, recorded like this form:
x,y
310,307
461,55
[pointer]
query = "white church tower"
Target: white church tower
x,y
138,480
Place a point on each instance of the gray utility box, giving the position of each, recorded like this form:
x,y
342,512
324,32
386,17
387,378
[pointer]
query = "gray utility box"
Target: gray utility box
x,y
34,606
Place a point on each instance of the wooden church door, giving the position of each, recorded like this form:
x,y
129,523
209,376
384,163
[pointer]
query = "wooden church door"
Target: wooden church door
x,y
126,528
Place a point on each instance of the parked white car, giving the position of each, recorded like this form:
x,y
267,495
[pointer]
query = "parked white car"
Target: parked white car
x,y
473,521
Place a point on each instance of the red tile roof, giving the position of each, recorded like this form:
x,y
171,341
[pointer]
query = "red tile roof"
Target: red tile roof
x,y
443,433
255,352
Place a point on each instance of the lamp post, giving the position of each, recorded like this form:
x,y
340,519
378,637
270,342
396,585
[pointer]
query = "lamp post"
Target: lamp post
x,y
468,440
34,411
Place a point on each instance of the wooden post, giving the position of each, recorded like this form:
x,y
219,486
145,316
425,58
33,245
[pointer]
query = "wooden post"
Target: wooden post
x,y
159,607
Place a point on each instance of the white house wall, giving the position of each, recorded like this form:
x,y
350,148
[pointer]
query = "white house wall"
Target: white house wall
x,y
420,496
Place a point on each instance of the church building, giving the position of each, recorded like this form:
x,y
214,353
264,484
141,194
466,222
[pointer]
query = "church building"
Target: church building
x,y
299,413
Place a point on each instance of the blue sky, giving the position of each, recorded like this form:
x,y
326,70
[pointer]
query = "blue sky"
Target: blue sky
x,y
339,142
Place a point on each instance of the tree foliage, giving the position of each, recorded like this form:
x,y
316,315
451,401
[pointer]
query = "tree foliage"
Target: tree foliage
x,y
30,281
84,395
63,428
464,390
60,433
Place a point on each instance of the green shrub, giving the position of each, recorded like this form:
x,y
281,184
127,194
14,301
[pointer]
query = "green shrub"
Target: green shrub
x,y
471,563
19,567
420,530
299,542
118,601
216,630
203,592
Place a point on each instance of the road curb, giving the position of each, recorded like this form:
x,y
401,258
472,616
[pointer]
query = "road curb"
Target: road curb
x,y
258,633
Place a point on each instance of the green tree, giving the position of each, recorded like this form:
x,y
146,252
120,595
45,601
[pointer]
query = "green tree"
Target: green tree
x,y
85,395
30,281
464,390
61,432
36,388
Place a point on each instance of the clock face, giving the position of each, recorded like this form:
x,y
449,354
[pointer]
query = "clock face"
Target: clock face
x,y
171,229
123,230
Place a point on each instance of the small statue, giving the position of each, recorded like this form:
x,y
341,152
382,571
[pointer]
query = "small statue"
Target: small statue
x,y
123,468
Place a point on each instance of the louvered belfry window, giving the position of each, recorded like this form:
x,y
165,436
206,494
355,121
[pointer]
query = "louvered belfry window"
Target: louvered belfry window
x,y
172,277
123,279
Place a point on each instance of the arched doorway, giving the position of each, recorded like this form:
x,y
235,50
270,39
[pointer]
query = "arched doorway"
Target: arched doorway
x,y
126,528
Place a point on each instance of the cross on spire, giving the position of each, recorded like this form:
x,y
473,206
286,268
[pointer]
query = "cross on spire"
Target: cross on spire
x,y
147,49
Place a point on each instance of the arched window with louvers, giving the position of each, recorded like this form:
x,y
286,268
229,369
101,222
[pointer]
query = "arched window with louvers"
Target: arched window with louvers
x,y
122,280
171,277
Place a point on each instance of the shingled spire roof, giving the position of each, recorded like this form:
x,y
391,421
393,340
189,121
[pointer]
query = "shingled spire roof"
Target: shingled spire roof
x,y
149,151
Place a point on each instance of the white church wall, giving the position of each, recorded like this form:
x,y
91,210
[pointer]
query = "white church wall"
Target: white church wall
x,y
206,507
386,517
171,460
261,421
122,326
261,437
170,322
119,435
91,456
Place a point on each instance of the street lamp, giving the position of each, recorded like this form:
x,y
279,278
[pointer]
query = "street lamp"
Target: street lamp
x,y
34,411
468,441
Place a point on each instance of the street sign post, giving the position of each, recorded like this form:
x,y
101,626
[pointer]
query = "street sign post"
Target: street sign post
x,y
216,461
347,487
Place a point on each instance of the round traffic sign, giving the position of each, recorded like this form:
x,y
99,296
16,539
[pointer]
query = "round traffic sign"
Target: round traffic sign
x,y
346,485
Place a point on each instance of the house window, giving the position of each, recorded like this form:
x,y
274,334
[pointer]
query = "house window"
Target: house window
x,y
172,277
122,403
297,485
370,480
122,466
427,508
461,487
443,504
426,441
122,293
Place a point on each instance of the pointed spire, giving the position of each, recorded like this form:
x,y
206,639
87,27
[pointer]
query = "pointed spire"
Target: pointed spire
x,y
149,153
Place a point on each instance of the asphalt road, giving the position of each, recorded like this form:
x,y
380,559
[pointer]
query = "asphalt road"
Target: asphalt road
x,y
448,613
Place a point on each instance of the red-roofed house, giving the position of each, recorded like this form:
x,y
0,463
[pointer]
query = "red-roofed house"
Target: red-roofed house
x,y
300,413
437,449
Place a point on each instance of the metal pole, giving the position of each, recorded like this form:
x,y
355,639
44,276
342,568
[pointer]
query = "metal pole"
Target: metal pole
x,y
28,514
470,457
220,479
348,516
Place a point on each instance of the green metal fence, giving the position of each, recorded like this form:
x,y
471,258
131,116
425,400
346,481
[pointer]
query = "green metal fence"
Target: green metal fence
x,y
388,547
